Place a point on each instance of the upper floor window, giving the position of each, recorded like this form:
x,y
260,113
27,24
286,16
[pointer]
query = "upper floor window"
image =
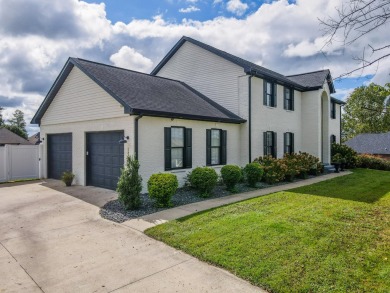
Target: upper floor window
x,y
288,99
288,142
178,148
270,143
269,94
332,139
216,147
333,110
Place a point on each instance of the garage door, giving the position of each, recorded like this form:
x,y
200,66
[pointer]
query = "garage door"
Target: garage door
x,y
104,158
59,154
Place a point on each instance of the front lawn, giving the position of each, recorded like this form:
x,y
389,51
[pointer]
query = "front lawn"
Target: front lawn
x,y
333,236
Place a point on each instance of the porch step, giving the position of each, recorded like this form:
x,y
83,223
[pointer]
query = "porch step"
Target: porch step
x,y
329,168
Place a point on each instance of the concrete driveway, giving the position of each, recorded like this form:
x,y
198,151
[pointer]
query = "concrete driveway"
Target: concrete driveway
x,y
52,241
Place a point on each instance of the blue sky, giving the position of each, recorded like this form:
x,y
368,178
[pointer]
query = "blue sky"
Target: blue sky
x,y
38,36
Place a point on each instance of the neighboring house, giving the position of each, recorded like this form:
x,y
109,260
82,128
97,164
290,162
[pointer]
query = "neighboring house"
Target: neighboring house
x,y
35,139
200,106
8,137
377,144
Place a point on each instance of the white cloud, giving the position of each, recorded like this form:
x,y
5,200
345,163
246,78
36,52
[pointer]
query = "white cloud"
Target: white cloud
x,y
217,2
189,9
129,58
236,7
192,1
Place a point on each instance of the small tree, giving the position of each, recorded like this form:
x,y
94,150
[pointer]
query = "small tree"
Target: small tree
x,y
18,124
130,184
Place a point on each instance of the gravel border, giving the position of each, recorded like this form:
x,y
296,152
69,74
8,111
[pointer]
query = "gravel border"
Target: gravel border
x,y
115,211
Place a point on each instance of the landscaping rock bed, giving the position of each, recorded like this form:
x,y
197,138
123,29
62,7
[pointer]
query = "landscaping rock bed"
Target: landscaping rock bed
x,y
115,211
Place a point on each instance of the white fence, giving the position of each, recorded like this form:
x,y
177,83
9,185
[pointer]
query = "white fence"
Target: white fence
x,y
20,162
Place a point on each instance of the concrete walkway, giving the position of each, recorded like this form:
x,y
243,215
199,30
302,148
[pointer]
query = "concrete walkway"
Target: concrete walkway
x,y
51,241
147,221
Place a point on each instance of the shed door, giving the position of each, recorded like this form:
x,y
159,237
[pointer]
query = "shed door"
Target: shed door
x,y
105,158
59,154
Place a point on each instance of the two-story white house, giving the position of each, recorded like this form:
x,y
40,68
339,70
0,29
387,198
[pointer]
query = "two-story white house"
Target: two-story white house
x,y
200,106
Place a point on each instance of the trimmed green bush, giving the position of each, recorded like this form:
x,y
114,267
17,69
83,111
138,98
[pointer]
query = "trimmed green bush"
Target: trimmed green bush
x,y
253,173
307,164
162,187
346,152
67,177
372,162
130,185
274,169
204,179
292,166
231,175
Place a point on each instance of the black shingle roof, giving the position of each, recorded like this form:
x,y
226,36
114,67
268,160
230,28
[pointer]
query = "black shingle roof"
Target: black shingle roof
x,y
145,94
302,82
371,143
8,137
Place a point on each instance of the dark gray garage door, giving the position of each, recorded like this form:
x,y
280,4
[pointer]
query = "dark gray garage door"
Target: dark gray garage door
x,y
59,154
104,158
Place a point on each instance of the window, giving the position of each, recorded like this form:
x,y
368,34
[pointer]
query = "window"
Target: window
x,y
178,148
288,143
269,94
216,147
333,110
288,99
332,139
270,142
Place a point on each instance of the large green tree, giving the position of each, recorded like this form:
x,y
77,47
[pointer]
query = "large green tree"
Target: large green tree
x,y
365,111
18,122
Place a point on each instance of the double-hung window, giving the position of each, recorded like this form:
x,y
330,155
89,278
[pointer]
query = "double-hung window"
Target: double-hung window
x,y
216,147
332,139
178,148
333,110
288,142
270,143
269,94
288,99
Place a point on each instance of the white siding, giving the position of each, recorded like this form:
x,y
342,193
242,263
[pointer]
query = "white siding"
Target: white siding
x,y
311,126
81,99
275,119
334,124
79,130
206,72
151,144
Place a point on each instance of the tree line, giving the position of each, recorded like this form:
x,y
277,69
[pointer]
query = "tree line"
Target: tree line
x,y
16,124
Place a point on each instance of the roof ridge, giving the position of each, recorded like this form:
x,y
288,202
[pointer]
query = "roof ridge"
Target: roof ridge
x,y
308,72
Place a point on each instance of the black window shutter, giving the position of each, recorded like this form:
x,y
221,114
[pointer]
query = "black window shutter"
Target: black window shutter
x,y
292,100
285,142
265,143
275,94
188,148
223,147
284,98
275,145
264,92
167,148
292,143
208,147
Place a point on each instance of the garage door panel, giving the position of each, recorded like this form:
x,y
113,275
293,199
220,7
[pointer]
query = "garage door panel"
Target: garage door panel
x,y
59,154
105,158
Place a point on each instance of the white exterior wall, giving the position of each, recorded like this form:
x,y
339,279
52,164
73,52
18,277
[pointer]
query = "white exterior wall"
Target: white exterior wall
x,y
334,124
206,72
311,126
82,106
275,119
151,145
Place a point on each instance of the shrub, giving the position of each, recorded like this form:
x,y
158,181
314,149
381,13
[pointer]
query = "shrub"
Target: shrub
x,y
274,169
253,173
372,162
307,164
204,179
231,175
67,177
292,166
337,158
162,187
130,184
346,152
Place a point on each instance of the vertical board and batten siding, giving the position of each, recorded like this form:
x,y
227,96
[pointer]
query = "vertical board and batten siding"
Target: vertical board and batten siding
x,y
151,145
82,106
275,119
213,76
3,171
81,99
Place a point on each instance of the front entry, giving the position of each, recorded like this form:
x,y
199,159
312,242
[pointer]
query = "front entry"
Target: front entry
x,y
105,158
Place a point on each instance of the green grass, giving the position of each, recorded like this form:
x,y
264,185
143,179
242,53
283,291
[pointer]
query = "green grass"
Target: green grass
x,y
333,236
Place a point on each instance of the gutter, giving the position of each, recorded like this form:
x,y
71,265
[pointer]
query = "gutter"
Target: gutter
x,y
136,123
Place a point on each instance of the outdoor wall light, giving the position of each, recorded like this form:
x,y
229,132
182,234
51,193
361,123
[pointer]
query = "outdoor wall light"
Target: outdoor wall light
x,y
124,139
39,141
